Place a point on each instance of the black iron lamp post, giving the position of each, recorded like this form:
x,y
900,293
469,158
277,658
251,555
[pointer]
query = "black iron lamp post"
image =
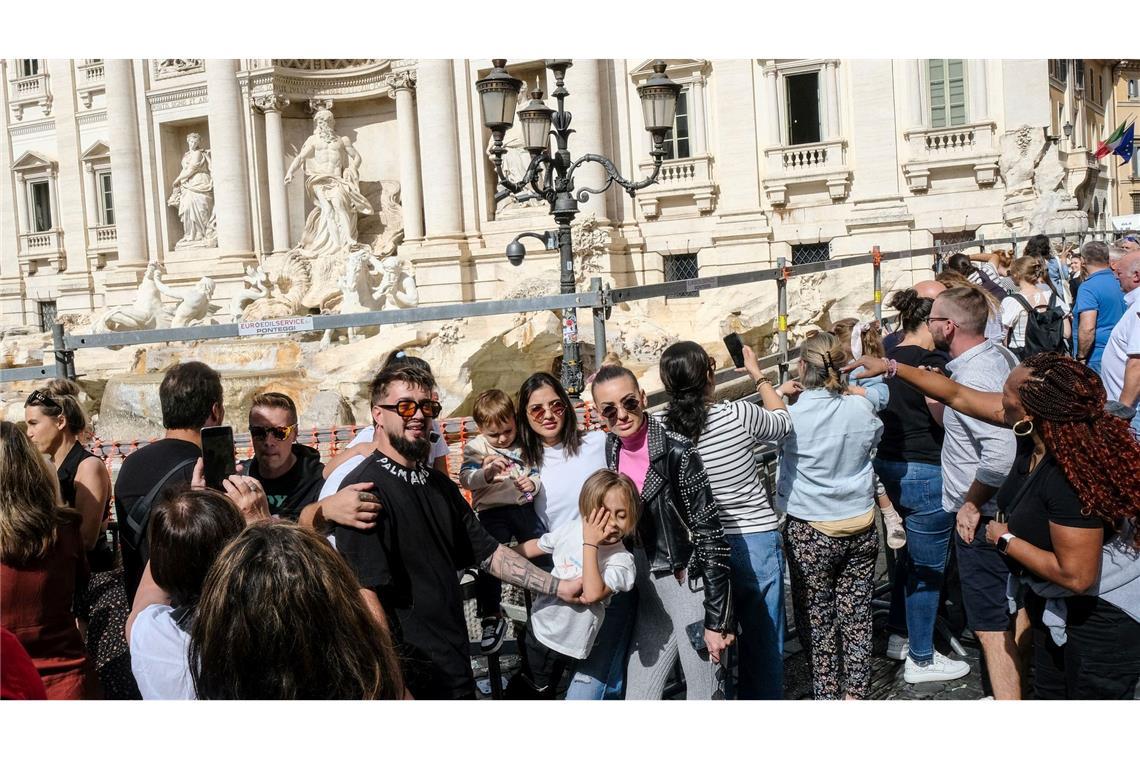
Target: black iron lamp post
x,y
551,177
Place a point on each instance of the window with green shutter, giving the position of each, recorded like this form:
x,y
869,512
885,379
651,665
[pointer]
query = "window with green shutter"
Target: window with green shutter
x,y
947,78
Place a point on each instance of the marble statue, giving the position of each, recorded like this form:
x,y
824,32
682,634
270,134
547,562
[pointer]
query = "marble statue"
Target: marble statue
x,y
397,288
193,306
192,193
333,183
142,314
256,285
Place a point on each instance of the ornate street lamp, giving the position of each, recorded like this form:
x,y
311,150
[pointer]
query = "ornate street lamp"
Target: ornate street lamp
x,y
551,177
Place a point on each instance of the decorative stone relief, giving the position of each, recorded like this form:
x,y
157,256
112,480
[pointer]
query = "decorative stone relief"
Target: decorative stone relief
x,y
269,102
400,80
192,193
193,305
590,243
324,64
451,333
164,68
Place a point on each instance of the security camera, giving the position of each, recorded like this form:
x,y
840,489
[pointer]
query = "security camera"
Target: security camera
x,y
516,252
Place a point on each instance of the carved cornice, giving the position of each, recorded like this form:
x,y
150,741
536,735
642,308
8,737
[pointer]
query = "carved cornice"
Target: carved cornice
x,y
336,84
95,117
180,98
32,127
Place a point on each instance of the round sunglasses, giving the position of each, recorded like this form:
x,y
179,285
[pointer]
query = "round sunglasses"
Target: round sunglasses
x,y
538,412
630,403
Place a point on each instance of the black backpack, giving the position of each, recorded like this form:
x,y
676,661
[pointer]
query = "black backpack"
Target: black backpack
x,y
1044,328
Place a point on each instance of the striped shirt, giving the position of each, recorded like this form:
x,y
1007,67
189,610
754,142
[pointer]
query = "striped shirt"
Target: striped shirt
x,y
727,449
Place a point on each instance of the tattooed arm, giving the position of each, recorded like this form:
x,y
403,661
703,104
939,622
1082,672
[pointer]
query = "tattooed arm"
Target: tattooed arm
x,y
507,565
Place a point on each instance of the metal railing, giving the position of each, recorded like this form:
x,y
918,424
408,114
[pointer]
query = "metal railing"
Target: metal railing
x,y
598,298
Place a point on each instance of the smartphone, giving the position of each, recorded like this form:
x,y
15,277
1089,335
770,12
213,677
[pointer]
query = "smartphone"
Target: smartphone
x,y
218,455
735,348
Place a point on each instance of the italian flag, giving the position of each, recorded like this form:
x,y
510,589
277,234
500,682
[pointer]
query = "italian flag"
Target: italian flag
x,y
1112,143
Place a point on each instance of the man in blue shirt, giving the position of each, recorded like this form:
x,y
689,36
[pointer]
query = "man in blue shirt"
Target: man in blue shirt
x,y
1099,305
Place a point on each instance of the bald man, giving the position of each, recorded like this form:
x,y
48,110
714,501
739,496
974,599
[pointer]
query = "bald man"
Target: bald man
x,y
925,289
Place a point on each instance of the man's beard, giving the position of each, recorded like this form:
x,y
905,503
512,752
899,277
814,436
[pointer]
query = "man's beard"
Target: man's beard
x,y
325,132
414,451
941,343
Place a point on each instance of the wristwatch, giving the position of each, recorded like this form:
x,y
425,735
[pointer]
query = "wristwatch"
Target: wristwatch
x,y
1003,542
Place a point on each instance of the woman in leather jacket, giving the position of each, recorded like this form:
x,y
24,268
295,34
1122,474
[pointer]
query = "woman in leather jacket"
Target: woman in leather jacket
x,y
684,604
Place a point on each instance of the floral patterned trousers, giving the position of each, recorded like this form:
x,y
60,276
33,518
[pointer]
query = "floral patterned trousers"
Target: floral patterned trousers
x,y
833,580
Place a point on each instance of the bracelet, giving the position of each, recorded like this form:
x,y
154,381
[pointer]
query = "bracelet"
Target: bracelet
x,y
892,368
584,544
762,381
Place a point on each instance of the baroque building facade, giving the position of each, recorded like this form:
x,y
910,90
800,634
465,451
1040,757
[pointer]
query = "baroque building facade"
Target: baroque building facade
x,y
108,165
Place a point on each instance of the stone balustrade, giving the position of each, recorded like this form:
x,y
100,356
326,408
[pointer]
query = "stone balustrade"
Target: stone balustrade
x,y
90,71
26,92
946,150
36,247
105,236
688,180
808,164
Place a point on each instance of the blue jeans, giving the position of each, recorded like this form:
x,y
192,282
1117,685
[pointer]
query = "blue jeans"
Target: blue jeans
x,y
602,674
916,491
757,562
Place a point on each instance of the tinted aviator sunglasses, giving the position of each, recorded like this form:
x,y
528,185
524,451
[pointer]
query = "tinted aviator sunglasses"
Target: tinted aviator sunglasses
x,y
406,407
630,403
538,412
280,432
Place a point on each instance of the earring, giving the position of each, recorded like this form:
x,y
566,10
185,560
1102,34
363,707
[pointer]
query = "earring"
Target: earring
x,y
1018,431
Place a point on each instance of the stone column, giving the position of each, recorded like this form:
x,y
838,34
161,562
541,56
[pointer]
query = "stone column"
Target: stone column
x,y
1070,103
271,106
583,80
231,180
126,164
697,114
832,100
411,197
437,123
916,114
979,104
772,91
90,196
53,197
22,204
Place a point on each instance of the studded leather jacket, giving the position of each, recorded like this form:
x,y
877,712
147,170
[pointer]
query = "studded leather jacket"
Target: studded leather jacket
x,y
679,526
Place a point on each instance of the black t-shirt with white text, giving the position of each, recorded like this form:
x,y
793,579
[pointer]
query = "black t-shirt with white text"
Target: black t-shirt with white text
x,y
425,533
277,490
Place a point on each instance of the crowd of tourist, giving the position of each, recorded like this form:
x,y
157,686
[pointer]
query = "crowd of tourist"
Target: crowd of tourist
x,y
993,434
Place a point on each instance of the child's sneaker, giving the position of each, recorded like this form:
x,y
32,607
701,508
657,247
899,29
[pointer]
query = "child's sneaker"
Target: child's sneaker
x,y
896,534
494,630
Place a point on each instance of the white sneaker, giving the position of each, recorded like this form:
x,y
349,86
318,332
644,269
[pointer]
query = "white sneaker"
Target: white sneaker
x,y
898,647
941,668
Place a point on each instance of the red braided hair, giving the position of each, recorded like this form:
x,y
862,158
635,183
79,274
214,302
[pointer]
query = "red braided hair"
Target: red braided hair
x,y
1067,399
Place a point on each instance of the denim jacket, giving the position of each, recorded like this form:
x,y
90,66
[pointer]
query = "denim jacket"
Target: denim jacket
x,y
825,464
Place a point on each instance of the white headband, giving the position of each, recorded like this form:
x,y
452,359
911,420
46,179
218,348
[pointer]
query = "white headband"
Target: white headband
x,y
857,339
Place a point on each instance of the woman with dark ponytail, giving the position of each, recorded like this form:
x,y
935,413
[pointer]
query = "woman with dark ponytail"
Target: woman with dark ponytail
x,y
1067,520
726,434
826,488
909,465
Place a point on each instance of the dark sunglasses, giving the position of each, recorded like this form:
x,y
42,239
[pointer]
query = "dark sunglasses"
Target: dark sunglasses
x,y
406,407
39,398
538,412
630,403
279,432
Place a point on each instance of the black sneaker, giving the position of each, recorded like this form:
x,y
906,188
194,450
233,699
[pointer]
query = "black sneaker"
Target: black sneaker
x,y
494,630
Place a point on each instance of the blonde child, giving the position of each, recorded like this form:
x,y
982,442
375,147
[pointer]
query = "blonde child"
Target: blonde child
x,y
861,339
502,493
590,548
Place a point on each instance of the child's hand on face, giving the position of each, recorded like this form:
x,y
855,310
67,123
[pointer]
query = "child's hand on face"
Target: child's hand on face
x,y
598,528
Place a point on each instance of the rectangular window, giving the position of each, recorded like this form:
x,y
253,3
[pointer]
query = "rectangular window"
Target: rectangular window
x,y
1133,91
810,253
677,139
1059,69
29,67
682,266
47,314
41,206
1136,204
106,199
803,108
1079,72
947,84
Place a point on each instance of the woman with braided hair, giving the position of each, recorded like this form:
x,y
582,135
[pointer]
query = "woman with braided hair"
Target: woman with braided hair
x,y
1067,521
825,487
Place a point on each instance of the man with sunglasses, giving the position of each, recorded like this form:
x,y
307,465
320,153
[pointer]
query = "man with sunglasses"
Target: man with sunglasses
x,y
407,564
289,472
